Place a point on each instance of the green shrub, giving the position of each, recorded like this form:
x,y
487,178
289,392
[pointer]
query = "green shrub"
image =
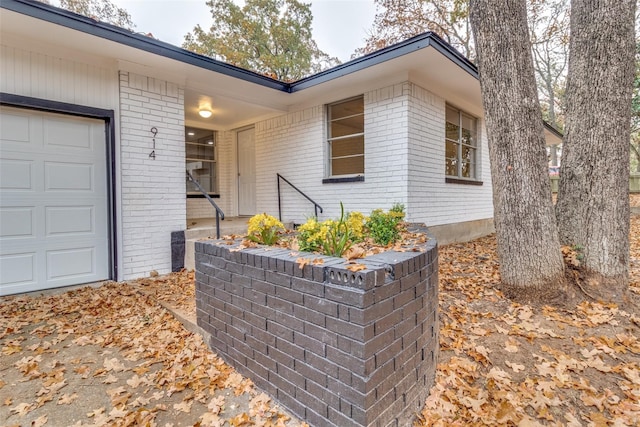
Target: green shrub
x,y
384,227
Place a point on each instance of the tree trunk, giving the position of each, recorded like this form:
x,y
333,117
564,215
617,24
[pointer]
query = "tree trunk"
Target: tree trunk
x,y
593,201
531,263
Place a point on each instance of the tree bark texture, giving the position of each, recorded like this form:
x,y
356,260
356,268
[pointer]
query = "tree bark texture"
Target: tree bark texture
x,y
593,197
531,263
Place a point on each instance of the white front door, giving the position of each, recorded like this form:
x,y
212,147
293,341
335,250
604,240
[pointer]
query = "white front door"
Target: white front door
x,y
53,201
246,172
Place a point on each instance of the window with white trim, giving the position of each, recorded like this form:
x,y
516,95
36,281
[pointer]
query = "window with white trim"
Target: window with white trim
x,y
201,160
461,146
345,137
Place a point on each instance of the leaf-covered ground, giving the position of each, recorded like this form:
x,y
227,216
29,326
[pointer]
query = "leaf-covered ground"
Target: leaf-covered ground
x,y
115,356
503,363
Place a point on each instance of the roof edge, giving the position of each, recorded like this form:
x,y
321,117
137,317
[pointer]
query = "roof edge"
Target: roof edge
x,y
548,126
74,21
404,47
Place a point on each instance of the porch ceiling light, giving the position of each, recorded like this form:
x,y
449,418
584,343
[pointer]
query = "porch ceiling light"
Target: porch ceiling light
x,y
204,113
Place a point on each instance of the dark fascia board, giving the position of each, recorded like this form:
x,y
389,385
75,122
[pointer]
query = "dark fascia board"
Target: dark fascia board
x,y
125,37
413,44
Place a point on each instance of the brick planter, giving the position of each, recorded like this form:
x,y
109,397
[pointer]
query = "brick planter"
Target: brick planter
x,y
337,348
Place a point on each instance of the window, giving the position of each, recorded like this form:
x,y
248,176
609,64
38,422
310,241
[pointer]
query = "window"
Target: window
x,y
461,144
345,137
201,160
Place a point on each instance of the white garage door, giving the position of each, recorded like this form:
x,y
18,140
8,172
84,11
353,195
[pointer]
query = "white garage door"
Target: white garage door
x,y
53,201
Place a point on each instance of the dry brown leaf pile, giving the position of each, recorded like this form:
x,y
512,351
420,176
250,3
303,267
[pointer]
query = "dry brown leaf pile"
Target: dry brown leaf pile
x,y
111,356
509,364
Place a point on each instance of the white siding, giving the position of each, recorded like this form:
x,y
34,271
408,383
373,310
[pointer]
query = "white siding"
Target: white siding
x,y
153,201
54,78
431,200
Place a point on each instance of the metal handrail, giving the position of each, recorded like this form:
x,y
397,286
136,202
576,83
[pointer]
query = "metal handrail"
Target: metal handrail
x,y
219,213
315,205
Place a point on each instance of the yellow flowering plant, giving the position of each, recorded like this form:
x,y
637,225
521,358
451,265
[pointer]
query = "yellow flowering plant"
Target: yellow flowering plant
x,y
331,237
264,229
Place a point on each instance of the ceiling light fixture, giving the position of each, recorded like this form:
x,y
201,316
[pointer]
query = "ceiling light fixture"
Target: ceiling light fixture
x,y
204,113
191,133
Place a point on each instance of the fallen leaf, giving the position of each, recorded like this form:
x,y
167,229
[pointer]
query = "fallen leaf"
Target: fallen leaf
x,y
240,420
22,409
356,267
354,252
40,421
11,349
511,346
211,420
514,366
216,404
67,399
95,412
302,262
184,406
118,412
110,379
135,381
113,365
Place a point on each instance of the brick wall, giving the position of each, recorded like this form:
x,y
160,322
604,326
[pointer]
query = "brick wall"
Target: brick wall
x,y
430,199
152,201
294,145
404,162
336,348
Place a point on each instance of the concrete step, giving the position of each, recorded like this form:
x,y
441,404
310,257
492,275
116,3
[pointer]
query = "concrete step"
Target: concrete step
x,y
205,228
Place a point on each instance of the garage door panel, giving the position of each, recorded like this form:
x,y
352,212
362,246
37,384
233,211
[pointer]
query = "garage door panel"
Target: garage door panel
x,y
17,222
18,269
71,263
16,128
65,176
69,220
68,134
16,175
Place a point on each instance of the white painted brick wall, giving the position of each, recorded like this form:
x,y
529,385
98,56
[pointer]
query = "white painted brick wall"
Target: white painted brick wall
x,y
294,146
404,162
152,202
431,200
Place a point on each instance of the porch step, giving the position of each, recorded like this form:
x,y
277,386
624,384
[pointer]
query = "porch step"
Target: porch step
x,y
205,228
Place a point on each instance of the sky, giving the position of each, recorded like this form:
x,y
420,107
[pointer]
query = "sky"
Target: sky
x,y
339,26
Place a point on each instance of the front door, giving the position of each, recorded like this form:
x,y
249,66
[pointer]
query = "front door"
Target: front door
x,y
246,172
